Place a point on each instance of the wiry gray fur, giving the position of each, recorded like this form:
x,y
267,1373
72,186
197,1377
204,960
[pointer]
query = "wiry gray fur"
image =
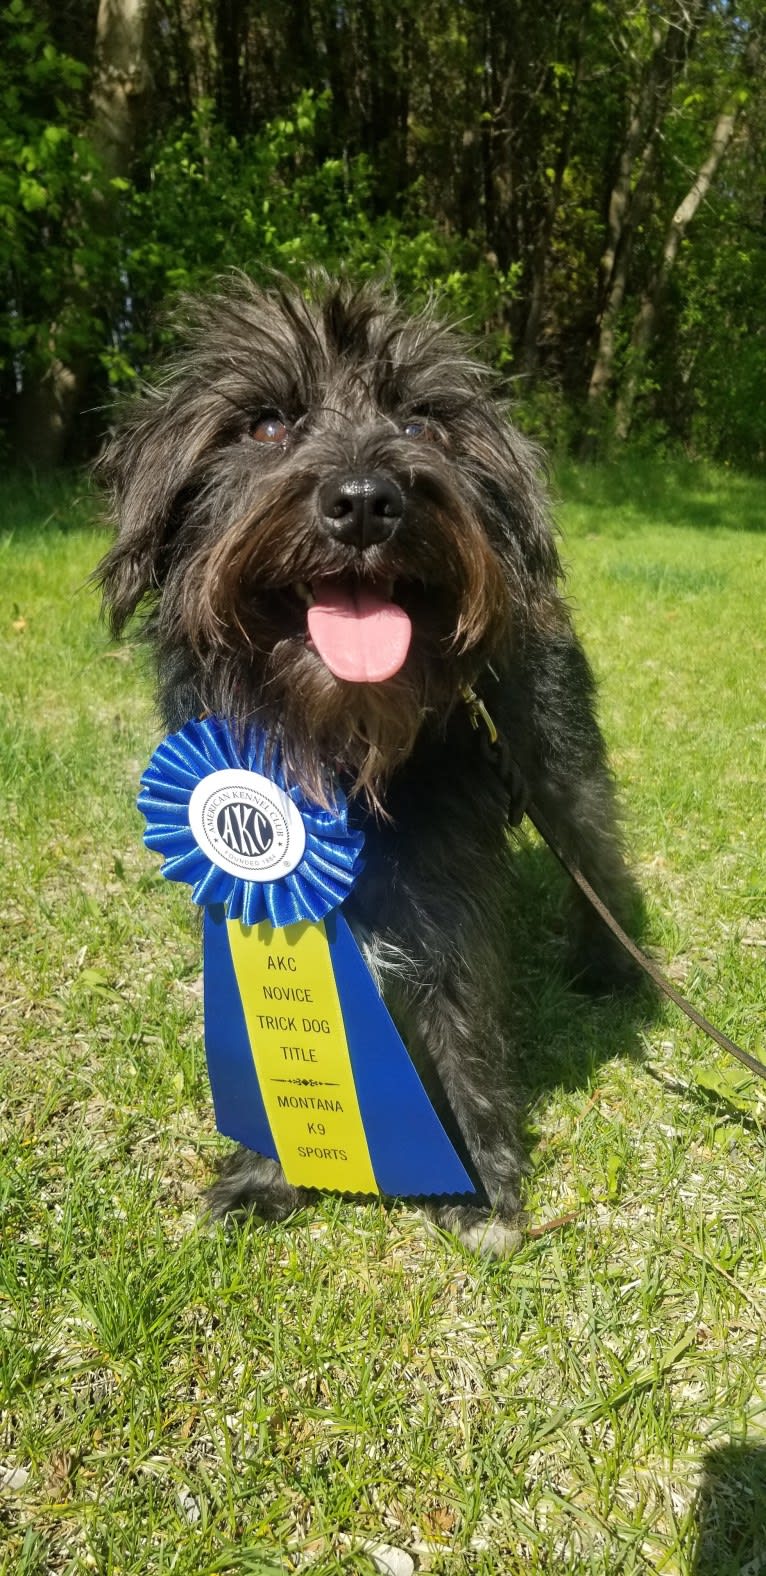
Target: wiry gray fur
x,y
215,529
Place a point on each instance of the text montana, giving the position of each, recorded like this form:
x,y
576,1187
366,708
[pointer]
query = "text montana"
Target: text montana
x,y
308,1102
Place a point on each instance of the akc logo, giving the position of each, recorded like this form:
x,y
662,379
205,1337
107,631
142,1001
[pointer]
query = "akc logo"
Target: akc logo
x,y
247,825
244,829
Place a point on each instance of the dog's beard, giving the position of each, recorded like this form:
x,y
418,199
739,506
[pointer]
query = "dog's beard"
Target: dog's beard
x,y
239,603
361,731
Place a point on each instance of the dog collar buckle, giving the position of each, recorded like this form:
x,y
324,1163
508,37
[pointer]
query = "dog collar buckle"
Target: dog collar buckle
x,y
478,712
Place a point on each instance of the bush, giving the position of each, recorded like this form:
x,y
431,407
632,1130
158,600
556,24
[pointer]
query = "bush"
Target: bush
x,y
213,203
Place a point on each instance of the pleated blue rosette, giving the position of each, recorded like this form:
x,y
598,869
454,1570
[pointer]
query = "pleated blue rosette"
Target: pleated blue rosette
x,y
332,856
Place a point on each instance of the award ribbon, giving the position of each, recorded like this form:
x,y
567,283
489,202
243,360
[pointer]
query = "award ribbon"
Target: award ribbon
x,y
305,1063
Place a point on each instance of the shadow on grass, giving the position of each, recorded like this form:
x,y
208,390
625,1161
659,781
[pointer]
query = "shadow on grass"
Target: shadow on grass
x,y
38,502
730,1513
689,493
561,1036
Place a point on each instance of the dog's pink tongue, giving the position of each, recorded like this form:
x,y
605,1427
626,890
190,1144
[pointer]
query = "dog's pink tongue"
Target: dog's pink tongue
x,y
359,636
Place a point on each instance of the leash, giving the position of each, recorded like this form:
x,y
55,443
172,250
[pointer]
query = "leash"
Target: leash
x,y
512,777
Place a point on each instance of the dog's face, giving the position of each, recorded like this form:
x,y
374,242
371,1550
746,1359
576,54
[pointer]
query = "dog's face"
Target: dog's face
x,y
334,520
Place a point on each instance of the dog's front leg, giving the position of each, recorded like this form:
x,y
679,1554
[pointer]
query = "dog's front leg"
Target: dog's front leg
x,y
440,956
457,1039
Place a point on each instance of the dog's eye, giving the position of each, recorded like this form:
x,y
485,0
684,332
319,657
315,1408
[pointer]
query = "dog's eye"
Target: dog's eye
x,y
418,428
269,428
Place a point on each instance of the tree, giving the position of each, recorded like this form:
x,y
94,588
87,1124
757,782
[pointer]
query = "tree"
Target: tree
x,y
657,47
554,171
55,380
646,319
121,82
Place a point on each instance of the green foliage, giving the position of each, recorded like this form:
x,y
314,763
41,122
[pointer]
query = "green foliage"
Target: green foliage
x,y
268,201
468,150
212,203
722,317
59,264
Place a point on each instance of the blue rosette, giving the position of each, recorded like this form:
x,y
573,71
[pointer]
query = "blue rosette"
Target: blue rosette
x,y
288,887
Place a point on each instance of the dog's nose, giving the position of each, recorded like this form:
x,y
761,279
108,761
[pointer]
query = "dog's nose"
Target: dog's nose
x,y
361,510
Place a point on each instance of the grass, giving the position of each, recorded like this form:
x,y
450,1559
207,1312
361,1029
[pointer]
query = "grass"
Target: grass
x,y
180,1399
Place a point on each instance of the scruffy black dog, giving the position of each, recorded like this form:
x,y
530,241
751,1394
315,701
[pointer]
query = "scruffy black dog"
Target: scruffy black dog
x,y
336,529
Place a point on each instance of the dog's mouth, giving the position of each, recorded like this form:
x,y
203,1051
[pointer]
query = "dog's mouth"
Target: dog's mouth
x,y
357,628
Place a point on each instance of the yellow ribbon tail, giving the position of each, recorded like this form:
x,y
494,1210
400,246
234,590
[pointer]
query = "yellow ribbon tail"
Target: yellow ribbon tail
x,y
300,1050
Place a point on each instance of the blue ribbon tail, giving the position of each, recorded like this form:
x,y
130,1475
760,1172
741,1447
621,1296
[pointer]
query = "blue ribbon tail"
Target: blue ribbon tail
x,y
411,1154
239,1108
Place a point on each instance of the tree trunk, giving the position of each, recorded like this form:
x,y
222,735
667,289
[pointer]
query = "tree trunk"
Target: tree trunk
x,y
122,81
627,198
50,402
530,356
500,69
228,41
645,323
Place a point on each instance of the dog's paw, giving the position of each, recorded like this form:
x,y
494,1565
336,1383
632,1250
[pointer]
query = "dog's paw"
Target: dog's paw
x,y
252,1184
480,1230
491,1239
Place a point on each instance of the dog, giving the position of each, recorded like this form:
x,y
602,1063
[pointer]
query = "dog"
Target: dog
x,y
334,528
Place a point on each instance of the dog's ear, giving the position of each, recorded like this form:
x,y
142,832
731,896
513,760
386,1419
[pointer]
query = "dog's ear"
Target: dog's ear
x,y
140,466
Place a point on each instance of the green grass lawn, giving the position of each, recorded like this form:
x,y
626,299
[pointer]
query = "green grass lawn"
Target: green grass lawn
x,y
183,1399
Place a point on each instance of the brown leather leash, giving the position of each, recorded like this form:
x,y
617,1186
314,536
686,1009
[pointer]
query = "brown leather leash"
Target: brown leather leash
x,y
512,776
